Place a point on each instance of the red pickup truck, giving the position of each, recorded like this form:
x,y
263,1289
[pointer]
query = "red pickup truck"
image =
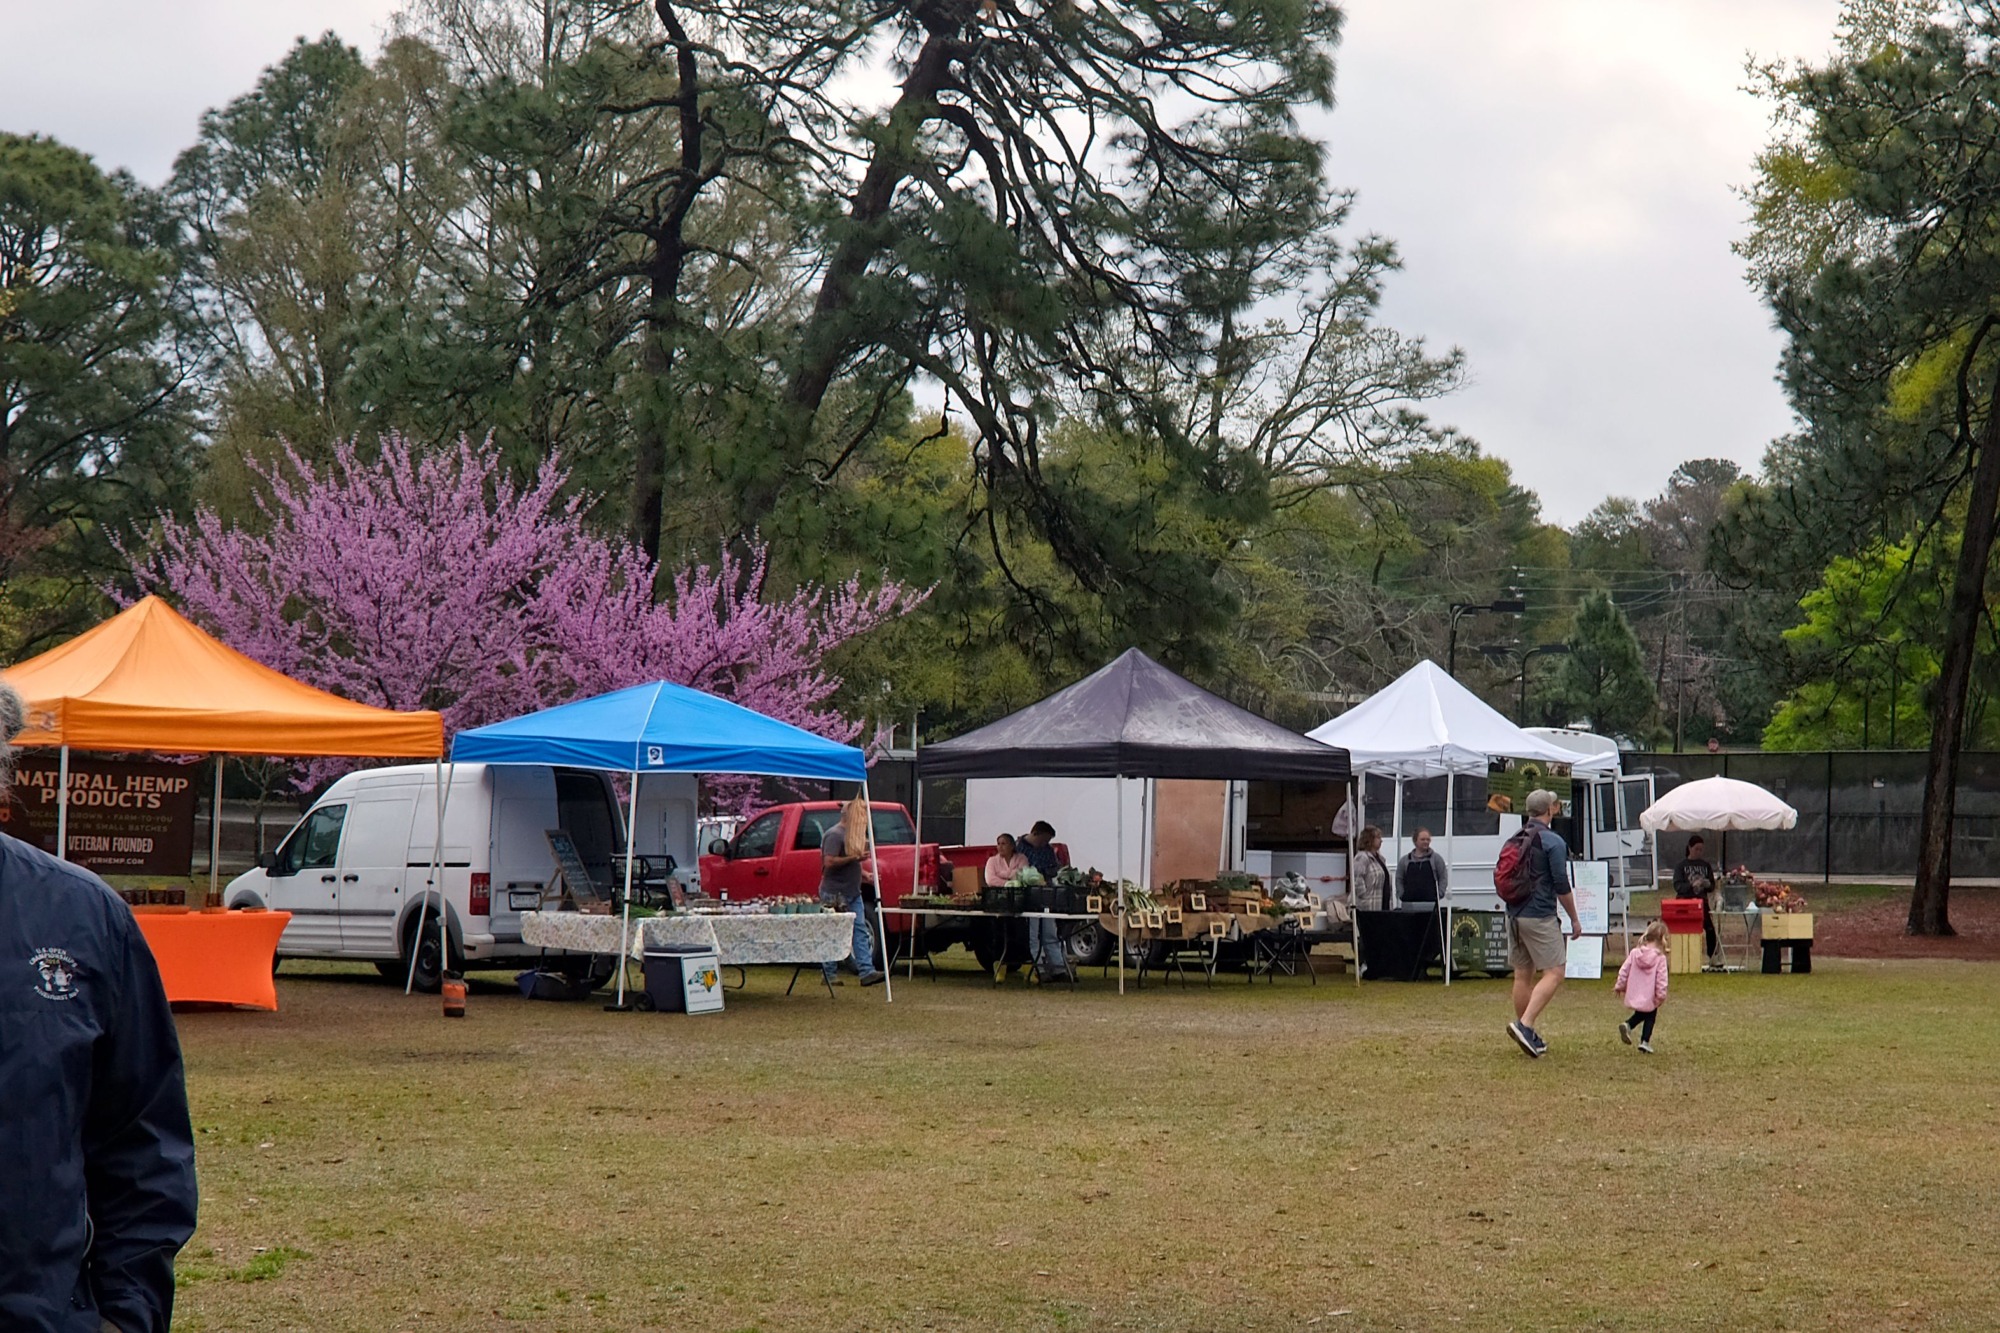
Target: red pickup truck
x,y
776,854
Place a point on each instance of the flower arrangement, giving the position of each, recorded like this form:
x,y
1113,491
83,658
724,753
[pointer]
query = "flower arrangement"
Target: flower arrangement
x,y
1772,896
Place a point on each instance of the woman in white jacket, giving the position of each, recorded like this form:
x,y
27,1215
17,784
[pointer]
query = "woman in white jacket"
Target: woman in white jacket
x,y
1369,875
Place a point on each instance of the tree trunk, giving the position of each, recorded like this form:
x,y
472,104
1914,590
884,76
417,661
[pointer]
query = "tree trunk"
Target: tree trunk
x,y
828,338
649,452
650,466
1928,902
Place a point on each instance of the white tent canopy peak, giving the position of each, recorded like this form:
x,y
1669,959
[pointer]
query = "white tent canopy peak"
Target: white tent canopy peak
x,y
1424,724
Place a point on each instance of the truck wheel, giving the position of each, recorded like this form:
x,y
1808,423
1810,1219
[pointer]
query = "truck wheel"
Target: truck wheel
x,y
1089,945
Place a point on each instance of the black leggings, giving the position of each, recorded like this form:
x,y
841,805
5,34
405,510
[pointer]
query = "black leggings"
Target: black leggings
x,y
1643,1018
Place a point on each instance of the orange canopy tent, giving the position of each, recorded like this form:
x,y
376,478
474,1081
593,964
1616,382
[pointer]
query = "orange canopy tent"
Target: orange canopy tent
x,y
146,679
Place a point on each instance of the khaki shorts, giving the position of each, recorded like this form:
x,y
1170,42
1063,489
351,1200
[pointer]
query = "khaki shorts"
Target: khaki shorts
x,y
1535,943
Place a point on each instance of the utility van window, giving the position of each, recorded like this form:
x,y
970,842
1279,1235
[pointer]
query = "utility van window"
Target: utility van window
x,y
314,844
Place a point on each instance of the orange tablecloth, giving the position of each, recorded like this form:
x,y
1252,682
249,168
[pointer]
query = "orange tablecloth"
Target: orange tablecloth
x,y
216,957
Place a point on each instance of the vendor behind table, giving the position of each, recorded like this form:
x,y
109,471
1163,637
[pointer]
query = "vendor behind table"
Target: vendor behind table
x,y
1369,875
843,854
1422,877
1044,938
1694,877
1005,863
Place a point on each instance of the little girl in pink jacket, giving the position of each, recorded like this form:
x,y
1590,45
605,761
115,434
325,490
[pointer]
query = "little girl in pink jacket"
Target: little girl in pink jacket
x,y
1643,983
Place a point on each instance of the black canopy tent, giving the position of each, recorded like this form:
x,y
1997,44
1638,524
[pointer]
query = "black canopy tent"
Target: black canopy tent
x,y
1134,719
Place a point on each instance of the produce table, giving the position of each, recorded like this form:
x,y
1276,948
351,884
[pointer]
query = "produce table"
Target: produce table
x,y
738,940
215,957
938,915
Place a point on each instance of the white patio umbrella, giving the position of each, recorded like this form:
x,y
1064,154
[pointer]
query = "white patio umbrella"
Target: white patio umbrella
x,y
1717,805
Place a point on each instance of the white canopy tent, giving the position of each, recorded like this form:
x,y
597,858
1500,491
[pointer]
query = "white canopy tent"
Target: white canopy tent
x,y
1424,724
1716,805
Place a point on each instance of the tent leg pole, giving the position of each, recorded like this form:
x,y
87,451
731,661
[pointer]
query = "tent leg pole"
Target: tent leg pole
x,y
625,917
1396,832
1148,793
215,836
1357,795
1450,800
881,926
62,805
1118,801
916,861
443,773
444,906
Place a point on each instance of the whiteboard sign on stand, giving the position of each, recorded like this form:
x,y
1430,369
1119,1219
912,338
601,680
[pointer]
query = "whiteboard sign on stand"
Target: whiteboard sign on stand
x,y
1590,882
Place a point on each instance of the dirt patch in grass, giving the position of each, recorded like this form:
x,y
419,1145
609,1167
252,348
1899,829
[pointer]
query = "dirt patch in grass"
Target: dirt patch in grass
x,y
1869,921
1248,1157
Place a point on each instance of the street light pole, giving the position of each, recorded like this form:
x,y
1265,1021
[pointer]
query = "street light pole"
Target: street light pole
x,y
1544,650
1505,605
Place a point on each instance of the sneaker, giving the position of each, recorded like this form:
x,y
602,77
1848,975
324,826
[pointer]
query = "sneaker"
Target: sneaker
x,y
871,978
1525,1037
1646,1046
1625,1033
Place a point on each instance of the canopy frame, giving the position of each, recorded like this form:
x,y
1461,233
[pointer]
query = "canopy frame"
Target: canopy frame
x,y
588,733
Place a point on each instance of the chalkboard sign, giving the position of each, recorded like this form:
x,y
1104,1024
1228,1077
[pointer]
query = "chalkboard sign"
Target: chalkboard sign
x,y
1479,942
576,876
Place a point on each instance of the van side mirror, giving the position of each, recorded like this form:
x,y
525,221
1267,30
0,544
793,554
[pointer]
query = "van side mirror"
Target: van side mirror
x,y
719,847
267,860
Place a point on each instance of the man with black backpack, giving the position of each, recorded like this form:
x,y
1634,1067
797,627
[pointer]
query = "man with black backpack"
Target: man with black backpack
x,y
1532,879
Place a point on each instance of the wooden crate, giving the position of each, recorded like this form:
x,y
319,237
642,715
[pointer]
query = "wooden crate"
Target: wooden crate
x,y
1788,925
1684,954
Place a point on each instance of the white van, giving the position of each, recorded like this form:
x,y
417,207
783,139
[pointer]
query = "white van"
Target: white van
x,y
354,872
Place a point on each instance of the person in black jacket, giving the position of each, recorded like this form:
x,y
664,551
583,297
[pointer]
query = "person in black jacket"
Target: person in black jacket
x,y
1694,877
97,1190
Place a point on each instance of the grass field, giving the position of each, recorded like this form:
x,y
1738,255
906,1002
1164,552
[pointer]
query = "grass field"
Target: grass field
x,y
1803,1151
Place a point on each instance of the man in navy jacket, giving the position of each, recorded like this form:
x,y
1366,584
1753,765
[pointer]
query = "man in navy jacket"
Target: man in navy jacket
x,y
97,1189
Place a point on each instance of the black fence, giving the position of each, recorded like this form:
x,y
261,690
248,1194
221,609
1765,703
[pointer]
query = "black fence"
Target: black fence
x,y
1859,811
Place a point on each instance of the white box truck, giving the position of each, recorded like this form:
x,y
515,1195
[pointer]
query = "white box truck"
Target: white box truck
x,y
354,873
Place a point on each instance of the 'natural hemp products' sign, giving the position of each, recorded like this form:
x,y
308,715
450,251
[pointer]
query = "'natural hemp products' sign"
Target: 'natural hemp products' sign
x,y
126,816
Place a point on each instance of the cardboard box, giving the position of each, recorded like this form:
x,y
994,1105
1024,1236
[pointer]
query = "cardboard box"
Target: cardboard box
x,y
965,880
1684,954
1788,925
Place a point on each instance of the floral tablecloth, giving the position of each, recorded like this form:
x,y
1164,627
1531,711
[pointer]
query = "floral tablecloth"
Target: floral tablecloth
x,y
823,937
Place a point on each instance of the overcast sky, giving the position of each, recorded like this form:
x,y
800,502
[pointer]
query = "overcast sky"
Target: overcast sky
x,y
1559,174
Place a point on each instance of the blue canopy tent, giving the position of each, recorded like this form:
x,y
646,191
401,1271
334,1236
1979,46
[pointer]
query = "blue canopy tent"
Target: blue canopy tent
x,y
664,728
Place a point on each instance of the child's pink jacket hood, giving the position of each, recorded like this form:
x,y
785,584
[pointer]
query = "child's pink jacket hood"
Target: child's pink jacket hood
x,y
1642,980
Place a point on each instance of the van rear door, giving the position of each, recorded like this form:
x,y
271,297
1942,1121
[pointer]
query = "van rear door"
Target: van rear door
x,y
372,870
521,865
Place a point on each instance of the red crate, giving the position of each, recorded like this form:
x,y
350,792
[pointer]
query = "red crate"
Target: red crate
x,y
1682,915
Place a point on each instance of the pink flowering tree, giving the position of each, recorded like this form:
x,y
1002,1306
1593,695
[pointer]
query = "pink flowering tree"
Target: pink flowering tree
x,y
433,580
